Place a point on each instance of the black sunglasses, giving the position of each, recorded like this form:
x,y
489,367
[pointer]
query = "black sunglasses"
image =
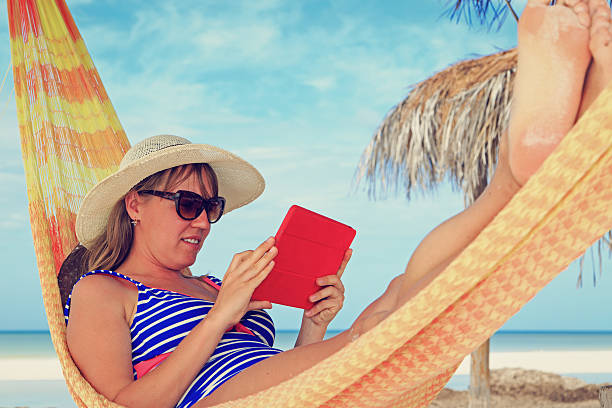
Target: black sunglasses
x,y
190,205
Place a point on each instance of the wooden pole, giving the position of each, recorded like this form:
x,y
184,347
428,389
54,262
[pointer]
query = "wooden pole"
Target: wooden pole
x,y
480,380
605,396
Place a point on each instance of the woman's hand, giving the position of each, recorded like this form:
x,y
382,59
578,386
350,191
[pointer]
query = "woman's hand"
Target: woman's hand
x,y
246,271
329,300
327,303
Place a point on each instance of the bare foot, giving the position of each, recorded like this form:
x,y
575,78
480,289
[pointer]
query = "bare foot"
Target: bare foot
x,y
553,56
600,71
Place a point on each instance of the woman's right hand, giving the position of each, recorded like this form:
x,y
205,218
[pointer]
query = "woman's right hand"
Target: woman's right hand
x,y
246,271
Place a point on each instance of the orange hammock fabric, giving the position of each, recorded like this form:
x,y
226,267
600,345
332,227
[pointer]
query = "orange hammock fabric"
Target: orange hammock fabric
x,y
71,138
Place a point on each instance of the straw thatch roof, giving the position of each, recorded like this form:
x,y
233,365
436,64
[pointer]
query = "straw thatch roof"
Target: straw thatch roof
x,y
449,125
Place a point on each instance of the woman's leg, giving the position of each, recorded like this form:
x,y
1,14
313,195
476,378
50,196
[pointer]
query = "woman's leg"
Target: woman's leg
x,y
287,364
434,253
553,58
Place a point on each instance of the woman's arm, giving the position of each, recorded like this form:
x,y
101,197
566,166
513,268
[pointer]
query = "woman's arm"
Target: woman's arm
x,y
99,341
310,332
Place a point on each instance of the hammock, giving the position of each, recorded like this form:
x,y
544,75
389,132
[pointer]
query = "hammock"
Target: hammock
x,y
71,138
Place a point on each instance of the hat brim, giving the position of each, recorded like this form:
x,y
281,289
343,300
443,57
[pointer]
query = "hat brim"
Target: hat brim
x,y
239,182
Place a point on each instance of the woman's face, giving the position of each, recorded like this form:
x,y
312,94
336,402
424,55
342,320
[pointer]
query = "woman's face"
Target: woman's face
x,y
164,238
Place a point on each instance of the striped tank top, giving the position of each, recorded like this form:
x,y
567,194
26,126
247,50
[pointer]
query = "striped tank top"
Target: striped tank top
x,y
163,318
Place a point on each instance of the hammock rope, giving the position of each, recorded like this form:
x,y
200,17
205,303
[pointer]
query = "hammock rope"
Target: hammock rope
x,y
71,138
6,103
4,77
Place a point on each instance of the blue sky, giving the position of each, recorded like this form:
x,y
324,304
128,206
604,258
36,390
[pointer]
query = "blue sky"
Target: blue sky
x,y
298,89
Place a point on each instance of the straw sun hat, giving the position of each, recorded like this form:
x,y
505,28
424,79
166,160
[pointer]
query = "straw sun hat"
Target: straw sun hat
x,y
239,182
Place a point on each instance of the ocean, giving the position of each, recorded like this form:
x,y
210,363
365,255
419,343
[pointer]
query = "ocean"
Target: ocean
x,y
53,393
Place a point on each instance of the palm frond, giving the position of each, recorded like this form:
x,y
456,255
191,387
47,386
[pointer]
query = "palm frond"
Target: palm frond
x,y
488,13
596,262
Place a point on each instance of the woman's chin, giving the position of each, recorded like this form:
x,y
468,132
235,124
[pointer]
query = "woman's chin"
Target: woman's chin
x,y
178,263
187,262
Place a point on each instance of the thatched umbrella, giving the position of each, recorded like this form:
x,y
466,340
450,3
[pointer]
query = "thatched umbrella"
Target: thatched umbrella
x,y
450,125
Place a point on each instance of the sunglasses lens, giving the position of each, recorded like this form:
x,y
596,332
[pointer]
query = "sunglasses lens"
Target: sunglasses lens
x,y
215,208
190,205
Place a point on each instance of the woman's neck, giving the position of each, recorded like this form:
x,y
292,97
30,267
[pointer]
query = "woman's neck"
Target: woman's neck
x,y
137,265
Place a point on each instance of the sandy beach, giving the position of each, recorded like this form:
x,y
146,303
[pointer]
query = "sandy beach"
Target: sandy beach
x,y
520,388
537,383
30,369
558,362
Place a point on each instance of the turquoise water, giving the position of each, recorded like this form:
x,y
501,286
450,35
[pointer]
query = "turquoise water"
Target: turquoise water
x,y
26,344
38,344
35,394
38,394
522,341
551,341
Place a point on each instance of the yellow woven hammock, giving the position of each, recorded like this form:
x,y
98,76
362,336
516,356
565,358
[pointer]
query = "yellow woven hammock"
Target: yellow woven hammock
x,y
71,138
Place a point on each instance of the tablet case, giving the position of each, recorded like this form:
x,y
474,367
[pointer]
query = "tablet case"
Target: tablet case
x,y
310,245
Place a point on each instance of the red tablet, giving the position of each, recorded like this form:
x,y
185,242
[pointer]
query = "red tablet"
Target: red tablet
x,y
310,245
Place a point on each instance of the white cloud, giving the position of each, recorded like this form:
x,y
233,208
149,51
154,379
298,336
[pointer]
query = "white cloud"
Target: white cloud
x,y
14,177
254,7
322,83
271,153
184,67
14,220
251,43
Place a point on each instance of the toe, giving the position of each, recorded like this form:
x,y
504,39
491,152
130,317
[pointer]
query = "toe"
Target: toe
x,y
571,3
582,12
600,28
580,8
599,7
596,6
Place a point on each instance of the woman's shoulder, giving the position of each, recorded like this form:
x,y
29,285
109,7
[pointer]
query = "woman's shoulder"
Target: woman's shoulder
x,y
99,279
99,290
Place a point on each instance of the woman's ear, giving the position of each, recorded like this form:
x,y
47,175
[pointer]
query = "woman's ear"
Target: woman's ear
x,y
133,203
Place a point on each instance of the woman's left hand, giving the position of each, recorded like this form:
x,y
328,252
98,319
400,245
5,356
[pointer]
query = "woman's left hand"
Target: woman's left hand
x,y
329,300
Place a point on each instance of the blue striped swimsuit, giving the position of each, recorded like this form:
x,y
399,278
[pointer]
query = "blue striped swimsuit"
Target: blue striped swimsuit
x,y
163,318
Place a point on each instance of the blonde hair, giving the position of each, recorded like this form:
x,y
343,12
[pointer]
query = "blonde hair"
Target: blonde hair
x,y
109,249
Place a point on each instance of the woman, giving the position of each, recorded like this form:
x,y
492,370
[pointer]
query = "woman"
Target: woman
x,y
173,340
151,237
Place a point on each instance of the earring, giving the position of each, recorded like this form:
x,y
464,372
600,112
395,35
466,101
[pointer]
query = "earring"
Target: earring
x,y
134,222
